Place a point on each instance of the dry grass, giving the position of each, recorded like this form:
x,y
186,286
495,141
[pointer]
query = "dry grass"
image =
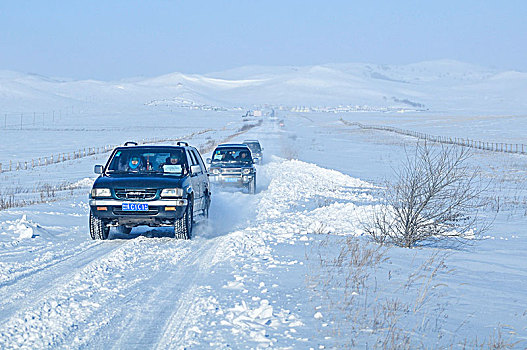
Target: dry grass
x,y
367,302
18,196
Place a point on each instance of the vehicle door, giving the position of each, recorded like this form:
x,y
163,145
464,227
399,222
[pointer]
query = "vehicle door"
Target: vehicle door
x,y
195,179
204,177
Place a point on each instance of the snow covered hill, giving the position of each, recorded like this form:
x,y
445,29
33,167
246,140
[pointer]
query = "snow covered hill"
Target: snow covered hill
x,y
439,86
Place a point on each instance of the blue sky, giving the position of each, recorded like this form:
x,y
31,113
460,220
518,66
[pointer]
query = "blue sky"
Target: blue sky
x,y
110,39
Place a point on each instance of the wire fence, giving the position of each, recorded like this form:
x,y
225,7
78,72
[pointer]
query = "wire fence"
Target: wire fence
x,y
25,120
82,153
517,148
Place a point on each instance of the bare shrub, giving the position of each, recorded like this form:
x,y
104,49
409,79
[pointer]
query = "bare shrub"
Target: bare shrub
x,y
435,195
289,151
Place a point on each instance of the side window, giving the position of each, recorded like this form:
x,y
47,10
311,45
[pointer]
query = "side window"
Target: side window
x,y
192,158
200,160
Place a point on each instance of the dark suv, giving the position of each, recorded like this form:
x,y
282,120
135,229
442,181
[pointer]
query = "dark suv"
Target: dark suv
x,y
256,150
149,185
233,165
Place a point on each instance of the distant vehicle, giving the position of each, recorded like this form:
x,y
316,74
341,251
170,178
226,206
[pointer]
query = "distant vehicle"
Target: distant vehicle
x,y
149,185
256,150
233,165
256,113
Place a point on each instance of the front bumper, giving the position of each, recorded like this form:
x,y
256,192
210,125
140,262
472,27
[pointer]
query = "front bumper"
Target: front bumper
x,y
160,212
231,180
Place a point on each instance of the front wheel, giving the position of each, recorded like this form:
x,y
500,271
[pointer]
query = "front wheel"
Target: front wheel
x,y
98,228
207,206
251,187
183,226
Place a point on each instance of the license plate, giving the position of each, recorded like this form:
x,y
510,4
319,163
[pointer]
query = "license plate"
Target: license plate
x,y
135,207
231,179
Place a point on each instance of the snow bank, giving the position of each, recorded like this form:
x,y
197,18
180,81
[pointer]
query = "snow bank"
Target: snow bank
x,y
20,228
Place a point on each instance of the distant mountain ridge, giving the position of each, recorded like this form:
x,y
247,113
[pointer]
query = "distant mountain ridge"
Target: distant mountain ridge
x,y
443,85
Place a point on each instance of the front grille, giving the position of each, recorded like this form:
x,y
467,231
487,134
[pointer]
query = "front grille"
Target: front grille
x,y
135,194
150,211
231,171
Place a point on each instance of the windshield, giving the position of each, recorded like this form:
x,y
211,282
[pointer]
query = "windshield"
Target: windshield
x,y
254,146
232,155
148,161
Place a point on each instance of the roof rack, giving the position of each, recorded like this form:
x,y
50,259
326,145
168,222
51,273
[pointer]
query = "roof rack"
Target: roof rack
x,y
182,143
232,145
128,143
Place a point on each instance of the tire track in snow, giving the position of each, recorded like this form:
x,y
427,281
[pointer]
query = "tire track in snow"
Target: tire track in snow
x,y
56,319
181,319
145,311
31,287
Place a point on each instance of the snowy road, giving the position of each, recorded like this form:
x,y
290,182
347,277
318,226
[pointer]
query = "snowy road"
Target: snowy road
x,y
239,283
148,290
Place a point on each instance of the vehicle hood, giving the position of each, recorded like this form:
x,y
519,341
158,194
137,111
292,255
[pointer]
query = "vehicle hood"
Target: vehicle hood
x,y
135,181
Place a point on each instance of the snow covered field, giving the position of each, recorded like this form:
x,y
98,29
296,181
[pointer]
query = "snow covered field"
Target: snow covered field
x,y
262,271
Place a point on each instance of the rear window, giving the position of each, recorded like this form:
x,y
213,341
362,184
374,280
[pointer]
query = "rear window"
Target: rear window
x,y
254,146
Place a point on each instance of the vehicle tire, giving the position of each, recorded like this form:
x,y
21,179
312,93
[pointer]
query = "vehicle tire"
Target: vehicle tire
x,y
207,206
252,186
124,229
98,228
183,226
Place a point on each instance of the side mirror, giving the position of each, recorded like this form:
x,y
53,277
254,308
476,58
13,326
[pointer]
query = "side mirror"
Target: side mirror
x,y
195,169
98,169
209,161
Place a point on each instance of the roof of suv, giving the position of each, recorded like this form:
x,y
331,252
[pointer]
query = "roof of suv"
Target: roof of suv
x,y
180,144
243,145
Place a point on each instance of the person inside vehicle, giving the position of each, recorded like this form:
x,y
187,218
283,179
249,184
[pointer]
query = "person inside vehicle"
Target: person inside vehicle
x,y
135,164
173,159
242,157
173,164
122,165
228,156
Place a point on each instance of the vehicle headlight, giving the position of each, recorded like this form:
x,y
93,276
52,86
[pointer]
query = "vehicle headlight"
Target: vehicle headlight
x,y
172,192
215,171
246,171
100,192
